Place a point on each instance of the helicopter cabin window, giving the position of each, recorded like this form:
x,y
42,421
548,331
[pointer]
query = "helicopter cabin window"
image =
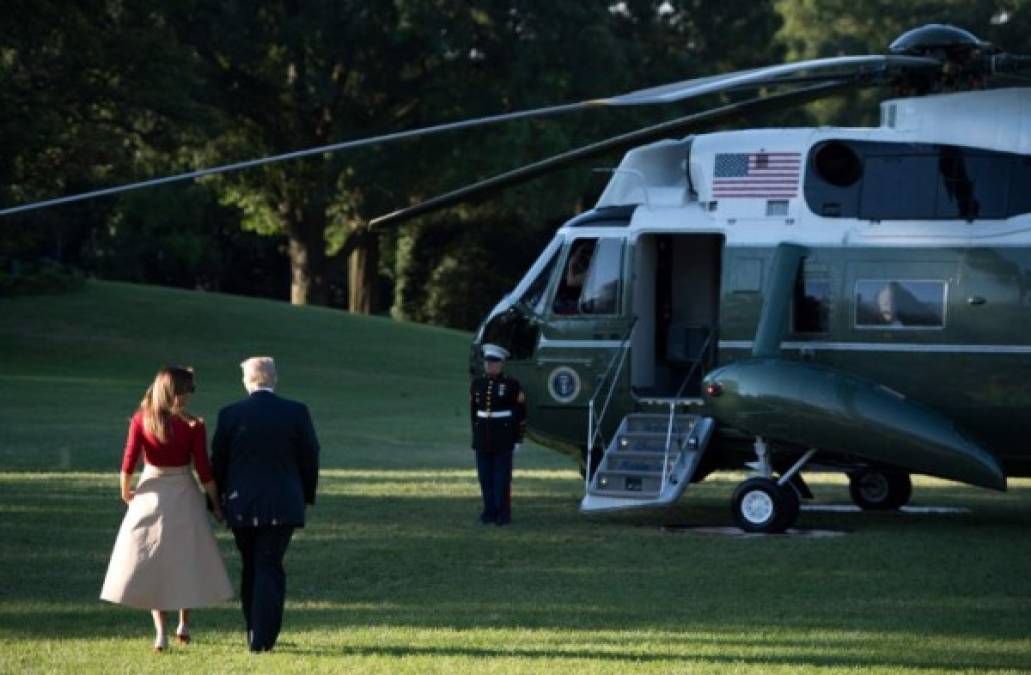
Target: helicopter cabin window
x,y
811,307
1020,186
900,304
914,181
590,283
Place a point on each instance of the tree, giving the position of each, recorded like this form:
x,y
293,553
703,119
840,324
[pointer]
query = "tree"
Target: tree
x,y
451,267
288,77
819,28
79,115
215,82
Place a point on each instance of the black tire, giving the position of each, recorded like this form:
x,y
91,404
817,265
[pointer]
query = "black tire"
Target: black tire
x,y
792,505
876,490
760,505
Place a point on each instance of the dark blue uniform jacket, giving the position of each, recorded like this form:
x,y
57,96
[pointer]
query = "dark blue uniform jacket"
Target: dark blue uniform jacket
x,y
489,396
265,459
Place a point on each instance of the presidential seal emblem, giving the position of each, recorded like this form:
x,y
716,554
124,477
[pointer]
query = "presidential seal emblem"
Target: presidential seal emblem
x,y
564,384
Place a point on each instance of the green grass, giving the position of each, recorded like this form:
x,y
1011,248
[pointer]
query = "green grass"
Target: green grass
x,y
393,575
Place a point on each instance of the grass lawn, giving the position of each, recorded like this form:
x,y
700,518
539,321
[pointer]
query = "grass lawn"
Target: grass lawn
x,y
393,574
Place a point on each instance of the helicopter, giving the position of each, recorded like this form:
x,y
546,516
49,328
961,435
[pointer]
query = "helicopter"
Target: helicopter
x,y
795,299
782,300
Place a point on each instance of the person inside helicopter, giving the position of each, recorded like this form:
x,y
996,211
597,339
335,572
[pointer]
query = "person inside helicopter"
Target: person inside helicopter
x,y
901,304
567,298
887,306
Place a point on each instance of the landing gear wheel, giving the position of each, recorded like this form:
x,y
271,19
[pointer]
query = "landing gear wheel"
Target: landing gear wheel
x,y
875,490
760,505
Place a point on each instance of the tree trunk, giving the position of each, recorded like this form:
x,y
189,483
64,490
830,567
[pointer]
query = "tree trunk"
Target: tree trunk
x,y
362,275
307,251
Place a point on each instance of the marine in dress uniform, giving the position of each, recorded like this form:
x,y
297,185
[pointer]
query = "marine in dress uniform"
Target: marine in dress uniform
x,y
497,412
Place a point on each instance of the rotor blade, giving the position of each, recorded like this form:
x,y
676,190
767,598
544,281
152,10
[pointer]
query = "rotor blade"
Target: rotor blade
x,y
691,122
320,150
758,77
668,93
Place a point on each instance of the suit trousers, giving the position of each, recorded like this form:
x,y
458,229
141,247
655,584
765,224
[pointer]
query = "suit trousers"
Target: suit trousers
x,y
263,586
494,470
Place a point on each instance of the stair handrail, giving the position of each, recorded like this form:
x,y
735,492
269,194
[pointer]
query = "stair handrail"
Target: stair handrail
x,y
673,408
594,429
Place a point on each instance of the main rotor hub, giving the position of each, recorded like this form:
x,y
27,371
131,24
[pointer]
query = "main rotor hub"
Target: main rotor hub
x,y
938,40
966,60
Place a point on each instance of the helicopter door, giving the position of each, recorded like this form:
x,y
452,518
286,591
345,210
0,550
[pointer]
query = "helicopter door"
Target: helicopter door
x,y
585,322
676,301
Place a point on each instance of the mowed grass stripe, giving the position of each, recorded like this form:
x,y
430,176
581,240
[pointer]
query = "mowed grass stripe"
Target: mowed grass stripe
x,y
394,575
377,583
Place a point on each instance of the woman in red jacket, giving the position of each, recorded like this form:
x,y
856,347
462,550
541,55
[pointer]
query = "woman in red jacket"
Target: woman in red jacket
x,y
165,556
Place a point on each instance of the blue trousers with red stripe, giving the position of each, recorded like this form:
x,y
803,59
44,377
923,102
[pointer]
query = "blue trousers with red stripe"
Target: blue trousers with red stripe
x,y
494,470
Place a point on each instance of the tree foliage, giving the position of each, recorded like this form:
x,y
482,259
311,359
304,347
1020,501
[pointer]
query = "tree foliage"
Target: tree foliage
x,y
78,114
102,92
819,28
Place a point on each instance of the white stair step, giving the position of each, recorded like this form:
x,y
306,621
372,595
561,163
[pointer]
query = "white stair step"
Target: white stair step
x,y
630,474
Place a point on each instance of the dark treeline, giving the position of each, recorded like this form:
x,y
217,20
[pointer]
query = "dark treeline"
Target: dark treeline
x,y
96,93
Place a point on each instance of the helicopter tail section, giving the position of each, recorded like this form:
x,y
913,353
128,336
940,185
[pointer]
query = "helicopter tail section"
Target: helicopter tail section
x,y
649,461
812,406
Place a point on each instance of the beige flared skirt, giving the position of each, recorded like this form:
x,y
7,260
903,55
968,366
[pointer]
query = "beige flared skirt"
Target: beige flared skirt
x,y
165,556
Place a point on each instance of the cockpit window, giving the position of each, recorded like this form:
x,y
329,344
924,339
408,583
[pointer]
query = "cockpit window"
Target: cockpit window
x,y
590,282
567,299
533,294
601,290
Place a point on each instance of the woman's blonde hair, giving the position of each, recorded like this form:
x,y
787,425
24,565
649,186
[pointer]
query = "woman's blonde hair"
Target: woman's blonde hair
x,y
163,399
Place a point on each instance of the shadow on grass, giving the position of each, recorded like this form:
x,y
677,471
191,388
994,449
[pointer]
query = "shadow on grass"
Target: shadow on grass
x,y
719,644
422,562
734,656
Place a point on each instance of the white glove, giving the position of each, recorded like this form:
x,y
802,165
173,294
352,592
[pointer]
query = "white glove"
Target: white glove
x,y
515,448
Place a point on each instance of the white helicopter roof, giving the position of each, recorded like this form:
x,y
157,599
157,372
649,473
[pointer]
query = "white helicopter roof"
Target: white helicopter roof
x,y
724,164
996,119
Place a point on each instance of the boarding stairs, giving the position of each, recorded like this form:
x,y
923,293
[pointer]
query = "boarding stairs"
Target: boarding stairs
x,y
652,456
649,461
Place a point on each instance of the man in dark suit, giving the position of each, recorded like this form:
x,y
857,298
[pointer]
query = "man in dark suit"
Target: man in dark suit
x,y
265,460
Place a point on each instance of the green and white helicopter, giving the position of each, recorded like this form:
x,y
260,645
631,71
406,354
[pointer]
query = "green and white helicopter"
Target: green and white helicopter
x,y
788,300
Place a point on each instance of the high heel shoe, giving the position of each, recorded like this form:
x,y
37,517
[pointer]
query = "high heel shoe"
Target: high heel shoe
x,y
160,645
182,638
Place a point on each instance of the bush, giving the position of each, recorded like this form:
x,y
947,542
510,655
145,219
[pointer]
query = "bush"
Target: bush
x,y
37,278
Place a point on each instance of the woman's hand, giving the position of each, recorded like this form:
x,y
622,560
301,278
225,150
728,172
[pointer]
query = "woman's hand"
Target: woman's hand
x,y
213,500
124,482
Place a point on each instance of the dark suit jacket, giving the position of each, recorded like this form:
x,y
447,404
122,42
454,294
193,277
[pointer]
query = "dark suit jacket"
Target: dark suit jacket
x,y
265,459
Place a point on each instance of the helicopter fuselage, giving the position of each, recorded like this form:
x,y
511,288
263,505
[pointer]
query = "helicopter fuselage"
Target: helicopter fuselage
x,y
914,275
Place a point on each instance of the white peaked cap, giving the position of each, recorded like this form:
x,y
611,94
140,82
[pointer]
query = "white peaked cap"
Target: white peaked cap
x,y
491,351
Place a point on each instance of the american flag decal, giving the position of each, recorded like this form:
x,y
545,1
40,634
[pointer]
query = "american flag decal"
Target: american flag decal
x,y
766,175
